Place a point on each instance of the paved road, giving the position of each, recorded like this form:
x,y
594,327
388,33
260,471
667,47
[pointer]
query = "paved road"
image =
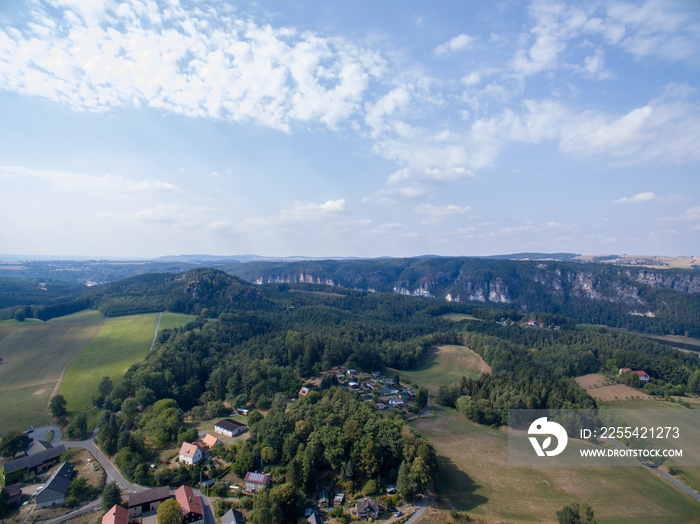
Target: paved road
x,y
42,434
661,473
422,506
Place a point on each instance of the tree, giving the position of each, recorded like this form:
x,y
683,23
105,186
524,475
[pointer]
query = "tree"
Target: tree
x,y
576,513
405,484
20,315
422,398
169,512
13,442
111,495
266,510
57,406
105,386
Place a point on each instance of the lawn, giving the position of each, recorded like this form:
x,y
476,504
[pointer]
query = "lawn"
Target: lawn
x,y
120,343
475,477
33,356
458,316
444,365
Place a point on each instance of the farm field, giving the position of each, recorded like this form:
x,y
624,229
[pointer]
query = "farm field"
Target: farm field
x,y
458,316
33,358
601,388
120,342
444,365
475,477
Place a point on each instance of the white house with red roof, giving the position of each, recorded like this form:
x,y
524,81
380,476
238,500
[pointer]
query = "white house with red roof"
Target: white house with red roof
x,y
643,376
190,453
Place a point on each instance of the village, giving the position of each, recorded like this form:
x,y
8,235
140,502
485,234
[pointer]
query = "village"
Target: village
x,y
219,488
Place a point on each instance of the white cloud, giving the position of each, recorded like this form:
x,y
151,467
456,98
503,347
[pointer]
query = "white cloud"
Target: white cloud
x,y
107,185
444,210
458,43
199,63
639,197
300,212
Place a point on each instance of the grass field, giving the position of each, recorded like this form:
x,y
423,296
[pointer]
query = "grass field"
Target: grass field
x,y
475,477
458,316
120,342
33,357
444,365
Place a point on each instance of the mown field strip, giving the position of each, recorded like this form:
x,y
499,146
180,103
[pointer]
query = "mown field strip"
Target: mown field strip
x,y
120,343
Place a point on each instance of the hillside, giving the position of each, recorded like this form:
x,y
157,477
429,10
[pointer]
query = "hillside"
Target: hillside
x,y
660,301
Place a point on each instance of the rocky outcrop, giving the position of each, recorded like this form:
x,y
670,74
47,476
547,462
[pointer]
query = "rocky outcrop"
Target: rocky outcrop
x,y
679,282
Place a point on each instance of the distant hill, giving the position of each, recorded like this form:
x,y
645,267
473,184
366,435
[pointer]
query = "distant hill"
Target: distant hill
x,y
652,300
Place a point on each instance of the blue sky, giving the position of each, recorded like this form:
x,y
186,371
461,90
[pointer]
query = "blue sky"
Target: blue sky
x,y
146,128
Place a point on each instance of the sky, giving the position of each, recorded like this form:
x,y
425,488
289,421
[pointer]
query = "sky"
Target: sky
x,y
143,128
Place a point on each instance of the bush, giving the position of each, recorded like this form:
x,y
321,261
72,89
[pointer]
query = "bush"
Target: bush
x,y
370,488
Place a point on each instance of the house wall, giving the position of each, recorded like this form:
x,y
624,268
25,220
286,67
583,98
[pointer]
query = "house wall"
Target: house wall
x,y
49,498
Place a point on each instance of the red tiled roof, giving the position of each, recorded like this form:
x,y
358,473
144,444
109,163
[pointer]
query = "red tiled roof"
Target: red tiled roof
x,y
188,449
210,440
116,515
189,502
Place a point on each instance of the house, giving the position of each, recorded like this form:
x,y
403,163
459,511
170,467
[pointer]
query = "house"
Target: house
x,y
323,498
381,405
353,385
338,499
643,375
625,370
304,391
210,441
54,491
37,462
384,391
314,519
396,403
367,508
256,481
243,411
390,489
191,505
147,502
340,377
190,453
116,515
351,372
229,427
233,516
14,494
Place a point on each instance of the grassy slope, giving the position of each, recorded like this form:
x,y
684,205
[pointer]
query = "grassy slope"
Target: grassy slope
x,y
121,342
33,357
475,477
444,365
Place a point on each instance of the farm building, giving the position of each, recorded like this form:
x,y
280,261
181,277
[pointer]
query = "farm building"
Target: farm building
x,y
229,427
191,505
256,481
147,502
233,516
190,453
37,463
14,494
54,491
116,515
37,446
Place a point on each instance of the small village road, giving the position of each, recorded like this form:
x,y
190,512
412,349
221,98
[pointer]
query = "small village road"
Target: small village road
x,y
422,506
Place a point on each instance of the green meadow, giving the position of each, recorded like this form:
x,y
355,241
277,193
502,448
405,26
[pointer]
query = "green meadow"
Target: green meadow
x,y
443,365
32,359
120,343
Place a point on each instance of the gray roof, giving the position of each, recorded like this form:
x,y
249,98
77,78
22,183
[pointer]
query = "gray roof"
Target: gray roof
x,y
229,425
37,446
233,516
58,482
365,504
37,459
148,496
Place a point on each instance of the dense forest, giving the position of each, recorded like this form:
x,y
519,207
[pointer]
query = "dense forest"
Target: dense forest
x,y
657,301
654,301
